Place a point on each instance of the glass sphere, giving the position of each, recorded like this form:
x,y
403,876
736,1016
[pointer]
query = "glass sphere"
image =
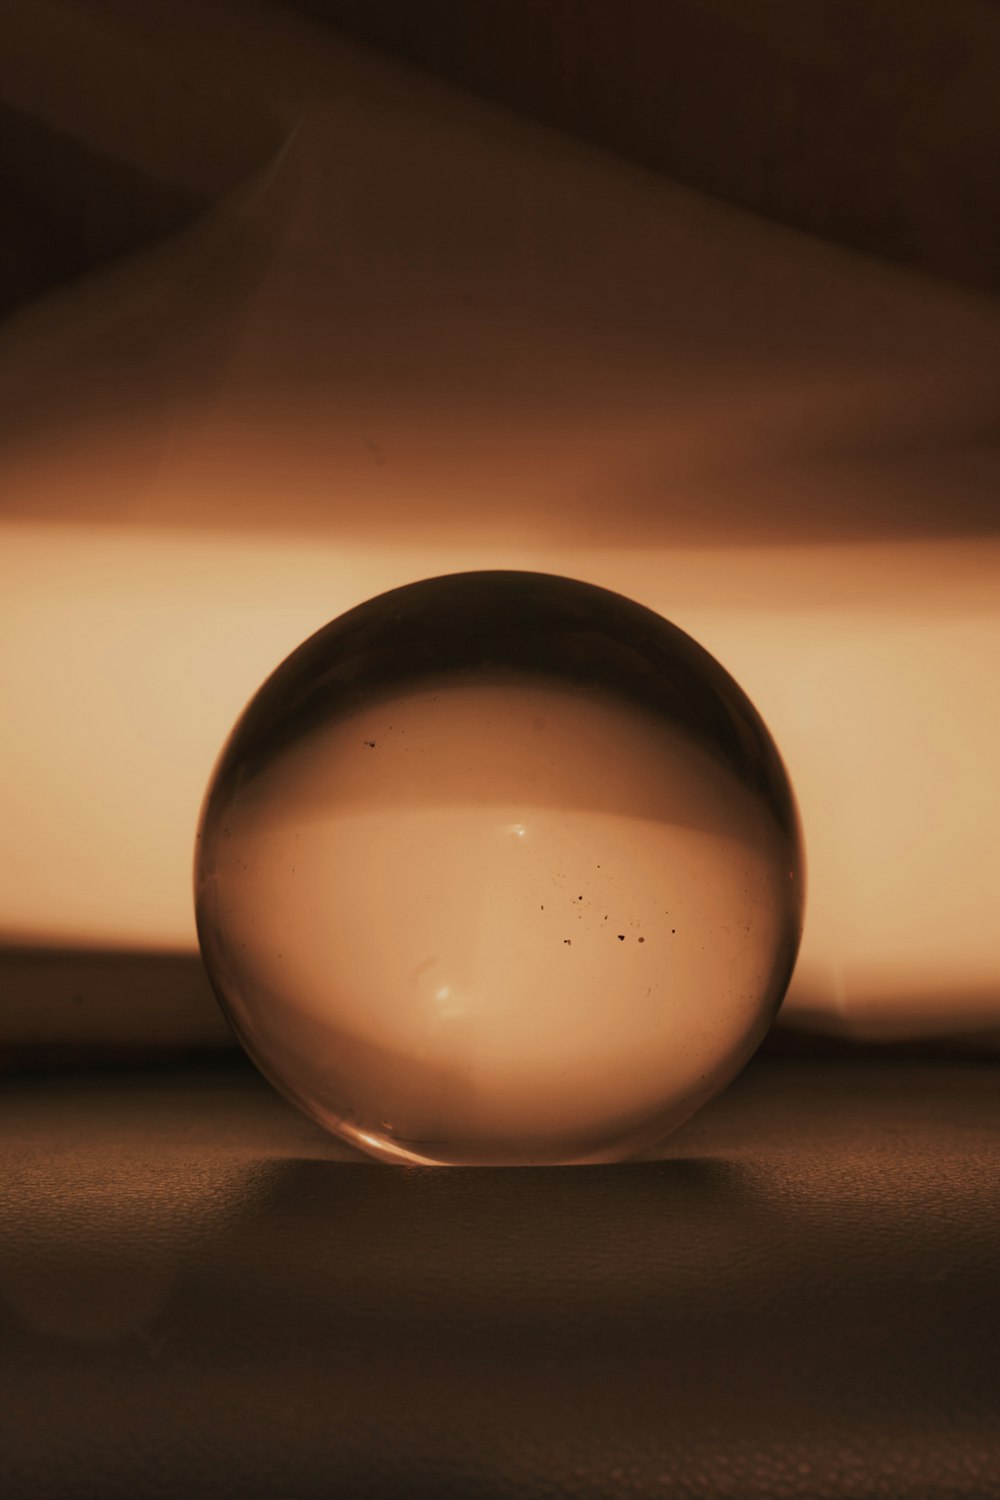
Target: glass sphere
x,y
500,868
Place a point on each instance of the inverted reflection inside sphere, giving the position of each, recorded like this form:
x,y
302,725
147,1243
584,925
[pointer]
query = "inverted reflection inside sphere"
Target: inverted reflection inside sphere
x,y
499,867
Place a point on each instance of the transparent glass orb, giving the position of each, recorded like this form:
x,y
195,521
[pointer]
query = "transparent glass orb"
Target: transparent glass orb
x,y
498,868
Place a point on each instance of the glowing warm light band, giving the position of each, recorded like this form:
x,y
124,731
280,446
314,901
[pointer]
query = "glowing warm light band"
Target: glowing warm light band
x,y
126,656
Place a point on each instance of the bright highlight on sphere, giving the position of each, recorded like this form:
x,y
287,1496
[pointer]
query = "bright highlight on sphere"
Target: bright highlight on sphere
x,y
500,868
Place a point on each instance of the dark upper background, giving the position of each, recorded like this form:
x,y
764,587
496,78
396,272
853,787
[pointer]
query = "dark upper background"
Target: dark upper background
x,y
874,123
553,283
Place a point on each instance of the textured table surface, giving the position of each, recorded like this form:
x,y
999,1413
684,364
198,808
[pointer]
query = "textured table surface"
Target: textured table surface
x,y
202,1295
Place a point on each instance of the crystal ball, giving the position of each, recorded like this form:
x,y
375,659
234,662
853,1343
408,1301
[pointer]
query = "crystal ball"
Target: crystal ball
x,y
499,868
